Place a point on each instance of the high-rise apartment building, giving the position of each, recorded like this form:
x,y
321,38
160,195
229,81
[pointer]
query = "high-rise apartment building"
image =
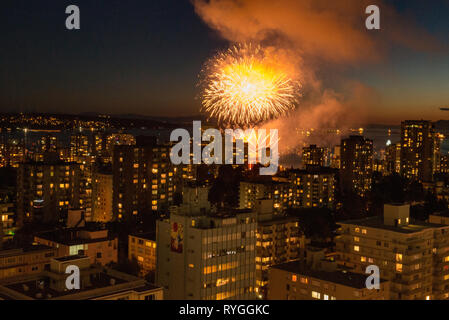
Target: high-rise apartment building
x,y
102,182
281,192
392,159
313,187
356,164
143,179
418,150
206,255
46,189
319,278
414,256
98,244
313,156
335,158
279,240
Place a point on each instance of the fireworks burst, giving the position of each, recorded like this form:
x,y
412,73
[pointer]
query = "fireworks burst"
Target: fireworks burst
x,y
247,85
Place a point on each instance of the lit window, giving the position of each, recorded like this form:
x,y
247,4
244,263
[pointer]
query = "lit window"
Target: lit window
x,y
294,278
316,295
356,248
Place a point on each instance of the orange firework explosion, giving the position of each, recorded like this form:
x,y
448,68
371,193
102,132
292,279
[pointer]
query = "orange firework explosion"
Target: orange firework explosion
x,y
245,86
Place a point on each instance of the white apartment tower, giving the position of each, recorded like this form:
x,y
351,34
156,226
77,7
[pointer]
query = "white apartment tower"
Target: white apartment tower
x,y
206,255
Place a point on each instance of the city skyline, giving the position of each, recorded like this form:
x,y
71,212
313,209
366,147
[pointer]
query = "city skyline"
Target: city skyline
x,y
236,151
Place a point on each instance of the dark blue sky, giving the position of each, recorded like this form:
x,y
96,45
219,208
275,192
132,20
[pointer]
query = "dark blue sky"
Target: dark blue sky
x,y
143,56
129,56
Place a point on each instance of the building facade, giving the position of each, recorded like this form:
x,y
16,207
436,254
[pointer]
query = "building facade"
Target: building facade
x,y
356,165
418,150
207,257
414,256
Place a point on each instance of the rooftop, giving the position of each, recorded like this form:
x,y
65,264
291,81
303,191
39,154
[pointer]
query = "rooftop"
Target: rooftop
x,y
27,249
342,277
73,236
70,258
113,282
378,223
276,219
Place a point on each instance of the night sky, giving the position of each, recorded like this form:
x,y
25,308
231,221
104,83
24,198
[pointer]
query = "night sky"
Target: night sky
x,y
144,56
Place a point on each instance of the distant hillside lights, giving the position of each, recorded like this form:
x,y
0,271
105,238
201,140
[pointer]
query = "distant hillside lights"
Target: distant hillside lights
x,y
213,152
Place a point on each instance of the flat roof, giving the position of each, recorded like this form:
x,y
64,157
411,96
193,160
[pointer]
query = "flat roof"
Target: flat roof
x,y
342,277
102,280
71,237
71,258
444,213
276,219
378,223
24,250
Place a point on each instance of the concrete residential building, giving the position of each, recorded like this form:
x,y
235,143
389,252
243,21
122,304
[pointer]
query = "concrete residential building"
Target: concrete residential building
x,y
143,179
393,159
102,196
25,261
249,193
7,220
207,256
313,187
279,240
45,189
97,244
413,255
313,156
143,248
97,283
356,164
320,280
279,191
417,150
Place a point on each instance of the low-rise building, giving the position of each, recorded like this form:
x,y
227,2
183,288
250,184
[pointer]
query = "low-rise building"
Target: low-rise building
x,y
97,244
142,247
96,283
25,261
320,280
413,255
